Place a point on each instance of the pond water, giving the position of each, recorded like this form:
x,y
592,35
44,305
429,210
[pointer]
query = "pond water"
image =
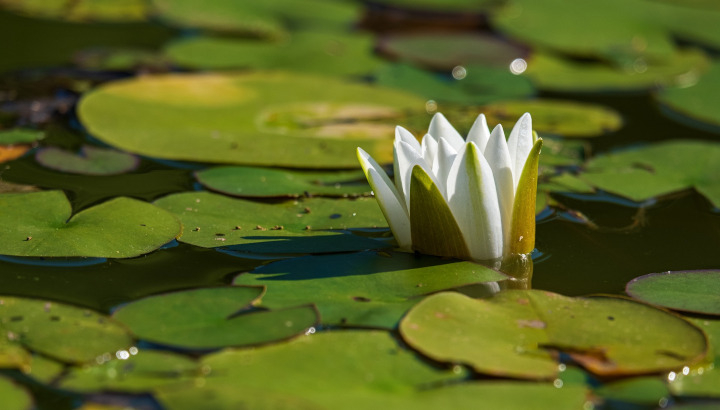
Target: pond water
x,y
184,223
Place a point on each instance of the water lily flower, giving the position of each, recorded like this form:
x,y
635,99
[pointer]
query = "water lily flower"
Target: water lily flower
x,y
470,199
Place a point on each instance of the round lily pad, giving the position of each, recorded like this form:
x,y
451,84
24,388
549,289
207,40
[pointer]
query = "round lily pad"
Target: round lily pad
x,y
212,220
234,118
315,52
558,117
366,288
695,104
210,318
89,161
659,169
268,182
41,224
514,333
689,291
20,136
14,396
351,370
444,51
63,332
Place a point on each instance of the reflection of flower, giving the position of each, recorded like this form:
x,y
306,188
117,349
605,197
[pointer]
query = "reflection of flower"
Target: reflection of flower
x,y
471,199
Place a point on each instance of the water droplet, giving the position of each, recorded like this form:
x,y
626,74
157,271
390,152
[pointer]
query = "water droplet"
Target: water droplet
x,y
518,66
459,72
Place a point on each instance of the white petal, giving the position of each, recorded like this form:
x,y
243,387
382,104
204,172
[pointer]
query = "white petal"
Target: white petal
x,y
445,157
407,158
498,156
474,203
520,143
440,127
402,134
429,149
479,133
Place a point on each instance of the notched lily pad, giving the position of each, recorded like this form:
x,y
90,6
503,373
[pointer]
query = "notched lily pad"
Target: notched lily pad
x,y
210,318
268,182
63,332
515,333
89,161
689,291
367,288
41,224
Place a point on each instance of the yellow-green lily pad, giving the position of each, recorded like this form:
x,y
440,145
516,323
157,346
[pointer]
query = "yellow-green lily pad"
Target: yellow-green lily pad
x,y
89,161
230,118
14,396
268,182
211,318
703,380
41,224
367,288
81,10
689,291
515,333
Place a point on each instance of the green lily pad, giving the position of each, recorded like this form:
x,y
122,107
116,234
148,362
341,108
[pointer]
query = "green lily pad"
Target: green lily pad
x,y
514,333
364,289
20,136
131,371
444,51
43,369
682,69
694,104
63,332
90,160
210,318
13,396
213,220
81,10
350,370
700,381
232,118
40,224
268,182
122,59
659,169
689,291
558,117
315,52
639,390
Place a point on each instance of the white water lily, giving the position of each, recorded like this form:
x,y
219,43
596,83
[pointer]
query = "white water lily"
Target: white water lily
x,y
471,199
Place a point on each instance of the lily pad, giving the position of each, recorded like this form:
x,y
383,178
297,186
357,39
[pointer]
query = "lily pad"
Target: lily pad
x,y
132,371
514,333
89,161
315,52
210,318
41,224
694,104
81,10
364,289
689,291
63,332
13,396
558,117
229,118
20,136
700,381
444,51
639,390
350,370
268,182
659,169
213,220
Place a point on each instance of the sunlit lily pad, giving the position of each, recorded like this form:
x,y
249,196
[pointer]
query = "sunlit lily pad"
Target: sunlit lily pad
x,y
659,169
351,370
690,291
213,220
558,117
41,224
700,381
514,333
90,160
59,331
364,289
81,10
229,118
268,182
133,371
695,105
444,51
20,136
14,396
210,318
317,52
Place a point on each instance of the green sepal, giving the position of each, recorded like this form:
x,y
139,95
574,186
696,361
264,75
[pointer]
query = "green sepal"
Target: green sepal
x,y
522,231
433,227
